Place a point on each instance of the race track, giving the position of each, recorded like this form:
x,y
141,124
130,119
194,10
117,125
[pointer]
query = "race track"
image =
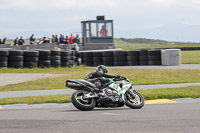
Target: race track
x,y
153,118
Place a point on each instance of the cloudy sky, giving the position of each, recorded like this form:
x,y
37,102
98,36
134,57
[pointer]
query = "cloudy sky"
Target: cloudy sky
x,y
173,20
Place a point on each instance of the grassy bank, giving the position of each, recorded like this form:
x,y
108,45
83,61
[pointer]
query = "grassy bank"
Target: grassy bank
x,y
169,93
190,57
136,76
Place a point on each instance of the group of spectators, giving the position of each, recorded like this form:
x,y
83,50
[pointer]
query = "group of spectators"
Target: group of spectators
x,y
3,41
55,39
58,40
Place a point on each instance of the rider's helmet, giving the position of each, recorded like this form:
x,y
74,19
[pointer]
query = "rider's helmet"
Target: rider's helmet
x,y
101,68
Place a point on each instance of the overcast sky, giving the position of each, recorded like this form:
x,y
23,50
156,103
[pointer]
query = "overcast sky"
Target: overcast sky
x,y
173,20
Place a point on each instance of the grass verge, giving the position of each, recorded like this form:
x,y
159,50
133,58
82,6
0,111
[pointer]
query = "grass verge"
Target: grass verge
x,y
136,76
190,57
168,93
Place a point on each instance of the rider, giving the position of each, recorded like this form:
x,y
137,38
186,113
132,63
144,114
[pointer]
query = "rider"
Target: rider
x,y
98,77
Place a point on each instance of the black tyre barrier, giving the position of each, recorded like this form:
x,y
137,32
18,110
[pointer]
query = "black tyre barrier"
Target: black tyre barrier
x,y
3,58
3,64
89,63
4,53
43,58
44,64
144,63
52,58
97,59
98,63
15,53
133,60
143,52
88,59
31,59
121,63
154,52
154,57
144,58
16,64
55,53
64,64
31,53
108,59
65,58
133,53
108,63
16,58
120,58
30,64
55,58
154,62
65,53
108,54
119,53
98,54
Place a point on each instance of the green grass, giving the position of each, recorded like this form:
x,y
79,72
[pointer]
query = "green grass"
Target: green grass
x,y
172,93
136,76
37,99
190,57
168,93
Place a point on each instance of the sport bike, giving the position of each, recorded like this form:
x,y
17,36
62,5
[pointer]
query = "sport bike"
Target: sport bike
x,y
115,93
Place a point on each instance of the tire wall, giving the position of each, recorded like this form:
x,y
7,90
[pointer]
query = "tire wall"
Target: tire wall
x,y
38,58
122,58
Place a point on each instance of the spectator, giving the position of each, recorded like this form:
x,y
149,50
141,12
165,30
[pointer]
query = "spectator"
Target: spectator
x,y
0,41
71,39
104,31
77,39
16,41
4,40
66,40
56,38
32,40
53,39
21,41
61,39
46,40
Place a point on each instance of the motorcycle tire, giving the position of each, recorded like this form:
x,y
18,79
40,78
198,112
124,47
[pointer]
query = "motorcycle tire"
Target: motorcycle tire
x,y
82,106
134,106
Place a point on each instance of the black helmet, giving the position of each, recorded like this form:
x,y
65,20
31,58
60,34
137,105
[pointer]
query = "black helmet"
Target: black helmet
x,y
101,68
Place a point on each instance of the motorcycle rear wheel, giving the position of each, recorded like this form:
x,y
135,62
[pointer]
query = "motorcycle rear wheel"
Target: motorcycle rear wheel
x,y
82,104
135,103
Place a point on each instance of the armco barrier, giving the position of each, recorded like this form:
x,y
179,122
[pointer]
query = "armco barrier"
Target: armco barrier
x,y
37,58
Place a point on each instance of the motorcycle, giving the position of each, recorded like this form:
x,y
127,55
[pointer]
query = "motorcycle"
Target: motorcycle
x,y
115,93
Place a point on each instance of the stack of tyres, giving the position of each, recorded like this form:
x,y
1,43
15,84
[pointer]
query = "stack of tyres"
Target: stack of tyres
x,y
55,58
72,58
108,58
16,59
88,58
65,56
44,58
143,57
82,59
31,59
154,57
98,58
133,58
4,58
77,60
120,58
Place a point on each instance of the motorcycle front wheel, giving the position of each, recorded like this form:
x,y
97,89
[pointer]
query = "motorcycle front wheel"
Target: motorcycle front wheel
x,y
134,100
82,104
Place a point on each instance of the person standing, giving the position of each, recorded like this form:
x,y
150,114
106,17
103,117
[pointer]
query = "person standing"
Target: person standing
x,y
53,39
4,40
56,38
32,40
61,39
16,41
71,39
0,41
66,40
77,39
21,41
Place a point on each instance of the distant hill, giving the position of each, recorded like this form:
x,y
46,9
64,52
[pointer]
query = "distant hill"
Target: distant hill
x,y
148,41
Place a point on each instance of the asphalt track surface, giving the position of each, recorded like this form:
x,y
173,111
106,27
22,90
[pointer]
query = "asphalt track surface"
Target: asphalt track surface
x,y
152,118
